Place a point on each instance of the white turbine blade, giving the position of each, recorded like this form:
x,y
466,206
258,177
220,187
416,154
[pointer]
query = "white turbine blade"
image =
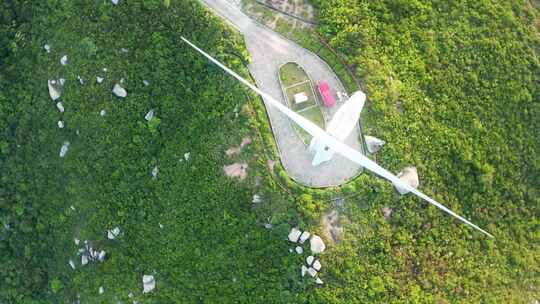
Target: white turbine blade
x,y
337,145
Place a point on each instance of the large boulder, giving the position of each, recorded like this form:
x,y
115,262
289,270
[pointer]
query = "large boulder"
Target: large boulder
x,y
55,89
119,91
409,176
373,143
316,244
294,235
149,283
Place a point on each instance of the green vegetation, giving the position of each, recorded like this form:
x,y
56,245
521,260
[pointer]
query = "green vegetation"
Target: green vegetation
x,y
294,80
453,89
213,246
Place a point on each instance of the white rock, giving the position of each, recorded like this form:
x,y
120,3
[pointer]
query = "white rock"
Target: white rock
x,y
291,250
146,83
119,91
312,272
47,48
130,295
81,80
149,115
316,244
64,149
268,226
187,155
101,290
60,107
317,265
113,233
77,241
64,60
256,199
310,260
62,81
99,79
409,176
60,124
294,235
304,270
149,283
115,2
54,89
299,250
319,281
102,112
124,50
101,255
71,263
84,259
160,225
155,171
373,143
305,235
105,70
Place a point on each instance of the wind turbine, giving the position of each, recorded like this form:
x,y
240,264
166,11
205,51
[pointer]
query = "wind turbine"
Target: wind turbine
x,y
326,140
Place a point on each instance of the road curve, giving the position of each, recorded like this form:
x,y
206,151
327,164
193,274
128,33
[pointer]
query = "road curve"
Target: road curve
x,y
269,50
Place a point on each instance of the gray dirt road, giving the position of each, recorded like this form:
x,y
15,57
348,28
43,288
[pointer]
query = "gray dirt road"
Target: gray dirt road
x,y
268,51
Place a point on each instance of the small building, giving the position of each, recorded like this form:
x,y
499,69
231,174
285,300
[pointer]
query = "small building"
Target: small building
x,y
300,97
324,90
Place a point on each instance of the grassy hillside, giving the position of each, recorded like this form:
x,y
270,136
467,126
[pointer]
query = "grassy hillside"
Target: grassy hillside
x,y
453,89
191,227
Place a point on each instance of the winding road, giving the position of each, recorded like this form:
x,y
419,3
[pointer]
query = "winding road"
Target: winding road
x,y
268,51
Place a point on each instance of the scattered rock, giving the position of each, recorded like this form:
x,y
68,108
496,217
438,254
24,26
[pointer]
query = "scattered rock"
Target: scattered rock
x,y
60,124
294,235
316,244
81,80
77,241
62,81
84,259
119,91
188,154
115,2
387,212
409,176
305,235
373,143
47,48
149,115
101,290
149,283
104,70
146,83
317,265
155,171
299,250
101,256
72,264
319,281
236,170
124,50
310,260
99,79
237,150
304,270
60,107
113,233
64,149
256,199
160,225
55,89
102,112
64,60
312,272
332,228
268,226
